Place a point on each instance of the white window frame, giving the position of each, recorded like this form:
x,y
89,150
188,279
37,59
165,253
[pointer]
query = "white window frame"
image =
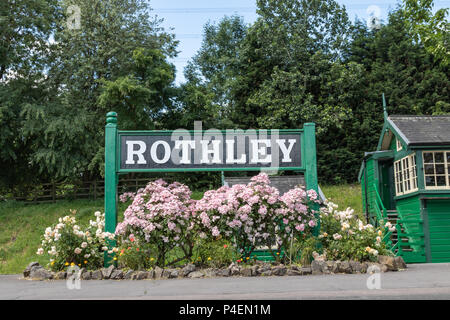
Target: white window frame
x,y
446,170
405,175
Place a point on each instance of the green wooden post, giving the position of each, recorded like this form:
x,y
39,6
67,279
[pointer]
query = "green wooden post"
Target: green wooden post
x,y
310,164
110,179
419,170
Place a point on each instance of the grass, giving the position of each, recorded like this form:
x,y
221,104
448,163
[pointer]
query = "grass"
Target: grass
x,y
345,196
21,226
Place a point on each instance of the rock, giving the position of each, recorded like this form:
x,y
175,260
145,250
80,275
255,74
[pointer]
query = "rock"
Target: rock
x,y
373,267
332,266
97,274
246,272
234,269
306,270
85,275
167,273
106,272
140,275
255,270
174,273
345,267
293,272
39,273
26,272
356,266
128,275
388,261
264,269
400,263
364,267
196,275
61,275
188,269
223,272
158,272
279,270
317,266
210,273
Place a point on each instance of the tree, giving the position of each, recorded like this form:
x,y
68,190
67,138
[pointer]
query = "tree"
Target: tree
x,y
105,54
207,94
392,63
25,29
432,30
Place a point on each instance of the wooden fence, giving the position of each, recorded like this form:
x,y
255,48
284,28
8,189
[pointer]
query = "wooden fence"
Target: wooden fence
x,y
52,192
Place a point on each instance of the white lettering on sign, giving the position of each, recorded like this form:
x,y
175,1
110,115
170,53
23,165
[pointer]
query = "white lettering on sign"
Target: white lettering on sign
x,y
215,151
212,150
286,151
230,154
185,151
139,153
259,154
167,152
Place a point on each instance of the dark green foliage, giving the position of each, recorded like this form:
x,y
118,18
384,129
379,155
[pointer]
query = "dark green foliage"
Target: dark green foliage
x,y
300,61
284,71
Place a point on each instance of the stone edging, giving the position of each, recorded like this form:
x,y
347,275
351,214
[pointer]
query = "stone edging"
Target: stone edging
x,y
35,271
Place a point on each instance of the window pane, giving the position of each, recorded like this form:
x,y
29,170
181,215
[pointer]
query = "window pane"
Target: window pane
x,y
439,157
441,181
440,169
430,181
448,157
429,169
427,157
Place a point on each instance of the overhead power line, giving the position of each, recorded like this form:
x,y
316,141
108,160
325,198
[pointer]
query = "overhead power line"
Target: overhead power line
x,y
204,10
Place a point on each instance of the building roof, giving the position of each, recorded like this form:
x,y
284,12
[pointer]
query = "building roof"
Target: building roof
x,y
422,130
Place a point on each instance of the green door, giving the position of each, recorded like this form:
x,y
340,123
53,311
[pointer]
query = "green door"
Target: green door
x,y
387,184
439,229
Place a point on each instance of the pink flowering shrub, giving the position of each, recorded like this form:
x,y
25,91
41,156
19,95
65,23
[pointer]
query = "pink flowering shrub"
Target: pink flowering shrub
x,y
160,215
246,216
254,215
297,215
127,196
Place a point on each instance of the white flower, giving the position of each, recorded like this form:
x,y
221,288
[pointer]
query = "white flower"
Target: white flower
x,y
337,236
77,250
84,245
40,251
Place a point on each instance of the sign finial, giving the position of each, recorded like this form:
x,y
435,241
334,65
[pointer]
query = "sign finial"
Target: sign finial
x,y
384,108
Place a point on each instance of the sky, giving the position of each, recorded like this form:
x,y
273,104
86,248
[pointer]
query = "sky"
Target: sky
x,y
187,18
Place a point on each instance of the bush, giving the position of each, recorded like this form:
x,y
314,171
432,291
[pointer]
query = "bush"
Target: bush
x,y
68,244
164,226
213,253
160,215
137,257
345,237
254,215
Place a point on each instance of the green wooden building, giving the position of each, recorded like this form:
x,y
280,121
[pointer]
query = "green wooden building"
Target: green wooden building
x,y
407,181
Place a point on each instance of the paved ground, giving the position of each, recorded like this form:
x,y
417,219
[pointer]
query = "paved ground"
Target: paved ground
x,y
425,281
